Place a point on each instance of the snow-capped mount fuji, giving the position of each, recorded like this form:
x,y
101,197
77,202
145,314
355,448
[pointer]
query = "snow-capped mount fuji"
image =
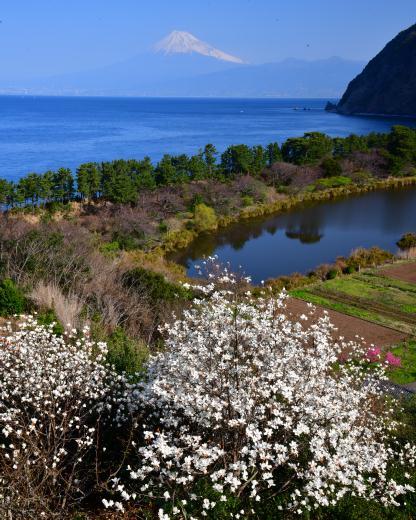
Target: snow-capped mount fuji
x,y
181,65
179,56
182,42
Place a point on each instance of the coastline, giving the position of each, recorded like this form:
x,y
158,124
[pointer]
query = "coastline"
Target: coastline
x,y
333,109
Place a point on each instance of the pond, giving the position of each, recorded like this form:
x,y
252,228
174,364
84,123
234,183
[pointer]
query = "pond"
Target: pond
x,y
301,239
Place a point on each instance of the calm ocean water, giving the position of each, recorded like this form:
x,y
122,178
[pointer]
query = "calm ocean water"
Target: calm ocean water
x,y
40,133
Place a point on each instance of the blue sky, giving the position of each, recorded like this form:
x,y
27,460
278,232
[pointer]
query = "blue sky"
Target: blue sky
x,y
40,37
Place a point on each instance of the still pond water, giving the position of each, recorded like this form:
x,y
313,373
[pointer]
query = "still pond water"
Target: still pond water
x,y
301,239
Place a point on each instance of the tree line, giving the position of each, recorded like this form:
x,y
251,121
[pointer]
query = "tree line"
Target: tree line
x,y
120,181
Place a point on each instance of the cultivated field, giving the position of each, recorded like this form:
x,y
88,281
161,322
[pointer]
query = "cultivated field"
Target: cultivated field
x,y
370,295
376,304
350,327
405,272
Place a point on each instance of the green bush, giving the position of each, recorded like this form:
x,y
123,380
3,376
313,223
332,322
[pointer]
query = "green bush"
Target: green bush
x,y
205,218
332,182
124,353
332,273
163,227
247,200
350,269
110,248
407,241
196,200
55,207
129,241
331,167
154,285
47,318
12,299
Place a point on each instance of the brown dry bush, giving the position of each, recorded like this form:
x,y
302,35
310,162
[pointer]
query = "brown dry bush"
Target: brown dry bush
x,y
67,308
286,174
372,161
62,259
322,271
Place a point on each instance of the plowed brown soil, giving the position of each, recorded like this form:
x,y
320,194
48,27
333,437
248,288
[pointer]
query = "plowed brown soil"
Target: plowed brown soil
x,y
405,272
350,327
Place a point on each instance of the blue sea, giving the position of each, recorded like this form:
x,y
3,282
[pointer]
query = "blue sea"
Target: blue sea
x,y
41,133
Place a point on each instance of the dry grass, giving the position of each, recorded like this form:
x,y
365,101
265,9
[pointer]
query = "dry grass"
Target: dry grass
x,y
67,308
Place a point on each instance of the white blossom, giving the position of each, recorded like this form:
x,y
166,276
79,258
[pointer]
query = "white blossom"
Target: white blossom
x,y
259,404
54,392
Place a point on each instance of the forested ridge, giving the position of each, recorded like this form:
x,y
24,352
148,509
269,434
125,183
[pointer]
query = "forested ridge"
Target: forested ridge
x,y
121,181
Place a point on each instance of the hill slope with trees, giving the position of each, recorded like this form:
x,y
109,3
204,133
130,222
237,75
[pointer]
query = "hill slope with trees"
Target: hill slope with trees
x,y
387,85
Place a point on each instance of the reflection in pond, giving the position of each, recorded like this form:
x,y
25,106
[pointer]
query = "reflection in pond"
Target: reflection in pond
x,y
304,235
303,238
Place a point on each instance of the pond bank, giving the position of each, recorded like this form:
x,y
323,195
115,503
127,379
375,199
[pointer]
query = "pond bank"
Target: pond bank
x,y
298,233
180,239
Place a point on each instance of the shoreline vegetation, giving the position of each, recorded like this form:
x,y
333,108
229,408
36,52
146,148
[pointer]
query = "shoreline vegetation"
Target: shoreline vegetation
x,y
210,193
181,239
169,204
138,214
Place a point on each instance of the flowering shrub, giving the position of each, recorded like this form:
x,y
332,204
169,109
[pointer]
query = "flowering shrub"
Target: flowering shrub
x,y
244,405
373,354
392,360
54,393
247,405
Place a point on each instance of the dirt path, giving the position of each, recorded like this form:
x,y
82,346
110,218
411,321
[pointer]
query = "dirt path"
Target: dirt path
x,y
349,326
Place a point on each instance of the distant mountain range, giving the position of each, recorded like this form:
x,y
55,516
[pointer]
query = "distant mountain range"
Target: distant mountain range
x,y
182,65
387,85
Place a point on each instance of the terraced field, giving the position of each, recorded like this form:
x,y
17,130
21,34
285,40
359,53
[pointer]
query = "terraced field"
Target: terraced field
x,y
370,295
384,297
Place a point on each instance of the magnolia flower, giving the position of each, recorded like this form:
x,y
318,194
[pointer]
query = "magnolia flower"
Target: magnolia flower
x,y
250,400
56,384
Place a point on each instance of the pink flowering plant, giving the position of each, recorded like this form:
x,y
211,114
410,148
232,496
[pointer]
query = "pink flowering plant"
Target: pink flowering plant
x,y
392,360
374,355
255,406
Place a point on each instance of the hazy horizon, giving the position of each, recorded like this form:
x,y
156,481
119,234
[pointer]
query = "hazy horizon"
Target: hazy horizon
x,y
44,39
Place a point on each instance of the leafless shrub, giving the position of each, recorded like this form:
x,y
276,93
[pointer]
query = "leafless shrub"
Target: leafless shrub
x,y
408,254
281,173
372,161
322,271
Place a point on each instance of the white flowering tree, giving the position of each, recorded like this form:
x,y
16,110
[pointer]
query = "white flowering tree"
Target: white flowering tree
x,y
54,394
246,405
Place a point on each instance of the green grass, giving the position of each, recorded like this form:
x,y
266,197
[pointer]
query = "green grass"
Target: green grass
x,y
384,280
377,288
407,372
352,310
309,296
329,182
369,295
373,296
